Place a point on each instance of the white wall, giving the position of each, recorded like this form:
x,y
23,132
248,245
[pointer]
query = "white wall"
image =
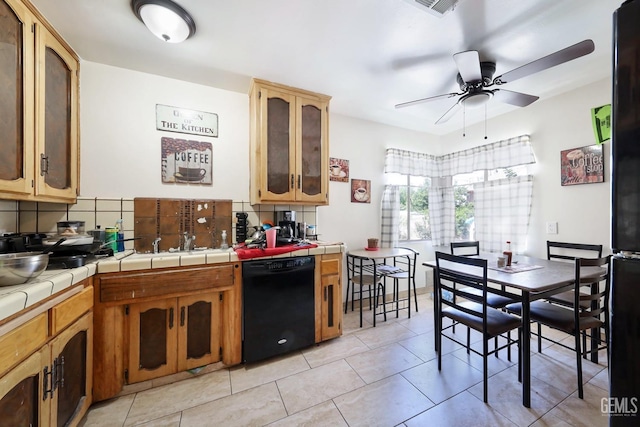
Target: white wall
x,y
120,153
555,124
120,146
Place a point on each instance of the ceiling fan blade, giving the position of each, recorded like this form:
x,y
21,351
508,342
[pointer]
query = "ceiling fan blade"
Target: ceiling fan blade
x,y
431,98
468,63
567,54
450,113
514,98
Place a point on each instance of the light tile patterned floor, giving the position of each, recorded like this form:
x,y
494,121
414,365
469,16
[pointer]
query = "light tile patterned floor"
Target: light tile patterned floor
x,y
382,376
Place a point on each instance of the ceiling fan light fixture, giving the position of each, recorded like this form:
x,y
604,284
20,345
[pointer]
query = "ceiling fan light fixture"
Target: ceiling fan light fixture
x,y
477,99
165,19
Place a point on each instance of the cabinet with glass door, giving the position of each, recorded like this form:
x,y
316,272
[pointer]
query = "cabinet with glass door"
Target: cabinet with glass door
x,y
39,107
289,145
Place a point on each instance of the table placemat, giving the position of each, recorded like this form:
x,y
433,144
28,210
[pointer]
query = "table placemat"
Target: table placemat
x,y
515,268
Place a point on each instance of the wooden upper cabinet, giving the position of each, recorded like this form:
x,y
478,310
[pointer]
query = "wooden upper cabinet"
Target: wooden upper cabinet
x,y
16,100
39,106
57,115
289,145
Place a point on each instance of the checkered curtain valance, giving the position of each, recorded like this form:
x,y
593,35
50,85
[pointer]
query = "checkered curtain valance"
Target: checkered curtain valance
x,y
502,154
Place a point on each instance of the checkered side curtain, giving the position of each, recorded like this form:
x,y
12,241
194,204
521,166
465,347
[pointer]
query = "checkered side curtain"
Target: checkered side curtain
x,y
502,211
441,211
502,154
390,207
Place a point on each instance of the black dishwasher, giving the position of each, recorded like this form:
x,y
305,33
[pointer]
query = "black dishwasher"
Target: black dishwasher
x,y
278,306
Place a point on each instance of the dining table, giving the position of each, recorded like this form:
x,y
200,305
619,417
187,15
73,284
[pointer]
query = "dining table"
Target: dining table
x,y
530,279
381,263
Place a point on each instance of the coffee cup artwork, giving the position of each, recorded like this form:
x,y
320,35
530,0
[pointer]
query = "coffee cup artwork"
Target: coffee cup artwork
x,y
191,173
338,170
360,191
186,162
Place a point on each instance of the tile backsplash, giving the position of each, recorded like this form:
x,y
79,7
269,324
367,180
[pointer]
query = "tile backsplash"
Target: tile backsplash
x,y
42,217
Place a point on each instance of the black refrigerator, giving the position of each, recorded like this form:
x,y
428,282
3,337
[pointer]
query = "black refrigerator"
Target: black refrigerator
x,y
624,317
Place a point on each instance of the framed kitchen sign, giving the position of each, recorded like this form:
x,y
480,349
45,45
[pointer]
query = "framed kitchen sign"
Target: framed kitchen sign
x,y
583,165
175,119
186,162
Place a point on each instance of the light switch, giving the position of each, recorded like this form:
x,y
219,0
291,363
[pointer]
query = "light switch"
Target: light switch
x,y
552,227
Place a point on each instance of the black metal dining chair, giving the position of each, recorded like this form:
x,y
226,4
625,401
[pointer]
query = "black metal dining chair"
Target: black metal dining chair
x,y
494,299
365,282
470,309
575,320
566,251
569,252
408,267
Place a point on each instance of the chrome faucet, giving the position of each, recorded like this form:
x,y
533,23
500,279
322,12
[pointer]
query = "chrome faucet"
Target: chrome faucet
x,y
188,241
155,245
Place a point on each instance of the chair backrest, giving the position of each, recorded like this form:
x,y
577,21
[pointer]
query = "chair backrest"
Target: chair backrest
x,y
598,286
571,251
357,270
466,271
465,248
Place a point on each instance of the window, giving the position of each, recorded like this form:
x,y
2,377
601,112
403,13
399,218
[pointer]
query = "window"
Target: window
x,y
464,208
414,206
463,194
492,209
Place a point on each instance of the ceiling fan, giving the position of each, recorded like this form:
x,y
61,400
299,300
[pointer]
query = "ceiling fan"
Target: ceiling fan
x,y
476,77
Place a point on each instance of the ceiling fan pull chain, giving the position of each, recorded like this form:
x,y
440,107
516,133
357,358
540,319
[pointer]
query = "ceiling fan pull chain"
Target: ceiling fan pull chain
x,y
464,121
485,121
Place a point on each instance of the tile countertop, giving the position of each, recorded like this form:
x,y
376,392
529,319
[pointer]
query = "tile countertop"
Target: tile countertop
x,y
19,297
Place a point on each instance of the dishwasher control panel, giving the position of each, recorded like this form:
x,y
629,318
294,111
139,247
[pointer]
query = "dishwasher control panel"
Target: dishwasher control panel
x,y
284,264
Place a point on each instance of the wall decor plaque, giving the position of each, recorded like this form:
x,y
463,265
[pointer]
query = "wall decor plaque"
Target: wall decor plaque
x,y
186,162
176,119
338,169
583,165
360,191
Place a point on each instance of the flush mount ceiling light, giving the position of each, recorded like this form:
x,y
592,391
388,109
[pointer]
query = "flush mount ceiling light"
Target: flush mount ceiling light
x,y
165,19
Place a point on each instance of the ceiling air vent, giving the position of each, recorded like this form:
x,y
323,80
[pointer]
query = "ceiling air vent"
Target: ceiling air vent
x,y
435,7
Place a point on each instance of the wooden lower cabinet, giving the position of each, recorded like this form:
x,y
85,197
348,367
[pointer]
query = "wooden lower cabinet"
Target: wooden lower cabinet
x,y
152,323
52,387
329,297
172,335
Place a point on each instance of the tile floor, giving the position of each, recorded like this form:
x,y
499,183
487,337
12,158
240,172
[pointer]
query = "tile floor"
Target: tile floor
x,y
382,376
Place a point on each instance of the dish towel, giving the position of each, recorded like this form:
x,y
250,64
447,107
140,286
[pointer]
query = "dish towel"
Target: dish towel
x,y
244,253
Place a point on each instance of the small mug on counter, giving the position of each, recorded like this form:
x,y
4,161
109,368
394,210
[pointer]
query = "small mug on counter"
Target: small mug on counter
x,y
502,262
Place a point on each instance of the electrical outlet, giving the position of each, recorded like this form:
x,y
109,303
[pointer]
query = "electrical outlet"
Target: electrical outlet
x,y
552,227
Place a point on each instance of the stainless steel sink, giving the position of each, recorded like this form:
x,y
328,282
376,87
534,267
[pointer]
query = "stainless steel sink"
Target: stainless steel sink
x,y
176,253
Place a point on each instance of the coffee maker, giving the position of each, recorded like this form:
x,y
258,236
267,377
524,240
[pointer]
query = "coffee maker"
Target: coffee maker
x,y
287,222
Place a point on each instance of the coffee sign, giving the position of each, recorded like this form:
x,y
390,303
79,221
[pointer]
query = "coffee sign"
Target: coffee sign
x,y
583,165
186,162
175,119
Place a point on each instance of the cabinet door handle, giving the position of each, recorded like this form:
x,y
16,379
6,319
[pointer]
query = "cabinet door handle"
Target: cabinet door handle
x,y
299,181
171,318
182,316
44,165
292,181
58,376
46,374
